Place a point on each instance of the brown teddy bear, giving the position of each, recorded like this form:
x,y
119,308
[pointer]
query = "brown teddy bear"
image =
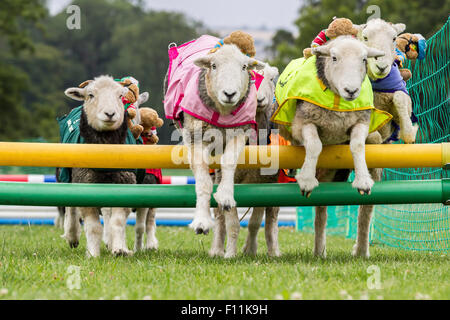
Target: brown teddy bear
x,y
132,100
409,47
150,121
337,27
242,40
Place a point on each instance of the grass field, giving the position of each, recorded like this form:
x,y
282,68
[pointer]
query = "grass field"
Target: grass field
x,y
35,264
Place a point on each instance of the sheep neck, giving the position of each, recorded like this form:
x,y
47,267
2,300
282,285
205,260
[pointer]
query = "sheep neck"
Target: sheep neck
x,y
90,135
210,102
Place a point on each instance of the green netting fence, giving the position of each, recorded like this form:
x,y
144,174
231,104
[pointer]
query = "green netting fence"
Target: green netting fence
x,y
423,227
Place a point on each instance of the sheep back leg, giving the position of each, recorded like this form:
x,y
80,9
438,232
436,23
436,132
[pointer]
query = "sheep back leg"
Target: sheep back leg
x,y
232,229
218,244
150,229
139,228
106,213
59,220
363,181
93,229
320,236
313,146
271,231
118,224
72,227
403,104
251,243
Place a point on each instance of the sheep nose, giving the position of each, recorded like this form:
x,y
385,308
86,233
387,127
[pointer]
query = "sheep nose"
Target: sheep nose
x,y
261,100
229,95
350,92
381,68
110,115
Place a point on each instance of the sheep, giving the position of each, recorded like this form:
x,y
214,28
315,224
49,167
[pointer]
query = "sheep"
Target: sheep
x,y
218,84
102,121
339,66
382,35
383,71
264,110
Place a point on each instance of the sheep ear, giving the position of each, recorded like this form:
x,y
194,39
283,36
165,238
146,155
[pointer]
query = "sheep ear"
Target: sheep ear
x,y
275,71
374,53
203,62
321,51
78,94
143,97
254,64
85,83
399,27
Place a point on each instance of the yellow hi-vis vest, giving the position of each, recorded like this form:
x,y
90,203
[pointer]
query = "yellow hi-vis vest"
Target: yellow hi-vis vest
x,y
299,81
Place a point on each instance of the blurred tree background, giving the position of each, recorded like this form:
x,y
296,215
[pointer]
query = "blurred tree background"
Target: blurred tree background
x,y
40,57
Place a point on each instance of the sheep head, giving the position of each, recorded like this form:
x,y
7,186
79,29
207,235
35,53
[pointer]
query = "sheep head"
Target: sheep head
x,y
342,63
380,35
227,76
102,102
266,90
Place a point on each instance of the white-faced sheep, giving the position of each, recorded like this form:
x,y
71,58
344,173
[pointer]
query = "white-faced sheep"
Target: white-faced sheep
x,y
210,95
102,121
333,82
265,99
390,95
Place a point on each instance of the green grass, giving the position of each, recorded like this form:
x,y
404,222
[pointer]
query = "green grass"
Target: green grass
x,y
34,263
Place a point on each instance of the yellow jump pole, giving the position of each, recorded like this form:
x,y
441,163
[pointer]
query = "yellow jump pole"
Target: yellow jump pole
x,y
165,156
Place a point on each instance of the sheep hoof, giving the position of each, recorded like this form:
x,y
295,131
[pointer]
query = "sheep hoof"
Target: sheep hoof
x,y
306,194
73,244
364,191
122,252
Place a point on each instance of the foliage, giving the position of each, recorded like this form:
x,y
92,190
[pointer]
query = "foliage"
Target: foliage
x,y
420,16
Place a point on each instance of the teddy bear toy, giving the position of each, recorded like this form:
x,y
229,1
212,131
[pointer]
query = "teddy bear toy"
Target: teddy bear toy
x,y
242,40
150,121
337,27
409,46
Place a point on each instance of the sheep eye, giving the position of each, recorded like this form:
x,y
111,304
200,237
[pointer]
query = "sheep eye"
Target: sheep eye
x,y
365,60
365,39
213,66
394,39
244,67
91,96
334,59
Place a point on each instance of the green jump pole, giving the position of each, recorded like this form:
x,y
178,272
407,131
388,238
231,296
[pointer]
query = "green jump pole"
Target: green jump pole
x,y
246,195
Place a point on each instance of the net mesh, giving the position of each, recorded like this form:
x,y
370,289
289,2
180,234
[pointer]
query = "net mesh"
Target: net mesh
x,y
421,227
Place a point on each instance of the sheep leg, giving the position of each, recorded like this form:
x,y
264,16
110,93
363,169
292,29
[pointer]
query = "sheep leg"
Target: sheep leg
x,y
59,220
232,228
118,224
403,104
251,243
203,188
361,248
150,229
313,146
363,182
271,231
93,229
139,228
106,213
217,247
225,191
320,236
72,227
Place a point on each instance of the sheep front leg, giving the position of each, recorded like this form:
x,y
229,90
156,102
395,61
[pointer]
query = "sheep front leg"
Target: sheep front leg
x,y
203,188
218,244
251,243
320,235
313,146
118,224
93,229
363,182
271,231
72,227
232,228
403,105
150,229
139,228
